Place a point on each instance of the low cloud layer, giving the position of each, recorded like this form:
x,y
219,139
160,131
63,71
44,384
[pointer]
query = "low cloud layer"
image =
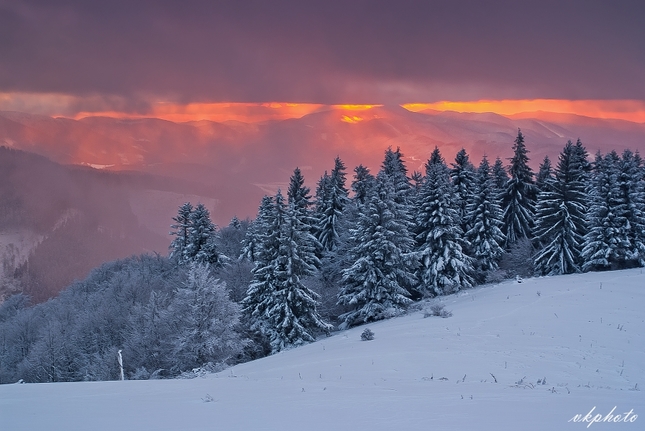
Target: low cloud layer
x,y
127,55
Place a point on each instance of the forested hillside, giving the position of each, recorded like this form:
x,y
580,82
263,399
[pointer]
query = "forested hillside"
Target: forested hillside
x,y
309,264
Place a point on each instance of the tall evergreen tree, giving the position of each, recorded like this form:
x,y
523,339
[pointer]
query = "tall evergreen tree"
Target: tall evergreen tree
x,y
254,238
362,184
331,199
277,302
298,193
462,175
631,207
518,197
606,243
394,168
181,231
545,174
561,217
202,244
374,286
266,251
445,268
300,199
500,176
485,218
292,312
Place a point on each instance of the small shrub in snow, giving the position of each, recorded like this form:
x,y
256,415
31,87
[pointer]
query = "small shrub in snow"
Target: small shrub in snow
x,y
438,310
367,335
496,276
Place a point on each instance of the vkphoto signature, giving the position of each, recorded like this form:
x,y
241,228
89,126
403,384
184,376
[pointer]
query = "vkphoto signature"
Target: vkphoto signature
x,y
595,417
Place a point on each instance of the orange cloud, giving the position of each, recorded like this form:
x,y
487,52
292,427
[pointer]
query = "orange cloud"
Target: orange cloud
x,y
629,110
63,105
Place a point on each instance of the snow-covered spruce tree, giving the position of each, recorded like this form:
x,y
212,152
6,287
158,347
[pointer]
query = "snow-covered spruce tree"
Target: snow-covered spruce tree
x,y
267,245
606,242
445,268
202,240
292,312
331,199
560,217
299,197
500,176
462,175
362,184
208,322
545,174
278,304
181,231
518,197
230,238
374,285
298,193
485,218
394,168
631,207
254,238
417,181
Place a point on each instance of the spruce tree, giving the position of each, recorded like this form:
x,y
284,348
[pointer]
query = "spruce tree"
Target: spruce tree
x,y
331,199
500,176
181,231
292,312
462,175
445,268
374,285
631,207
265,254
518,196
202,241
394,168
277,302
298,193
255,235
362,184
561,217
299,197
545,174
606,242
485,218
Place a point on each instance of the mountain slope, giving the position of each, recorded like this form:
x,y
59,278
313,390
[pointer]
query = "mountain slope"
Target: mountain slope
x,y
584,333
58,222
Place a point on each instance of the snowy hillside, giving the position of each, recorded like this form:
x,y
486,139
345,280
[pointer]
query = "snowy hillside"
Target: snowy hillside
x,y
584,334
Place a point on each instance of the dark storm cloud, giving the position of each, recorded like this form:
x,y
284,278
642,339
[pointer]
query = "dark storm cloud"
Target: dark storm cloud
x,y
323,52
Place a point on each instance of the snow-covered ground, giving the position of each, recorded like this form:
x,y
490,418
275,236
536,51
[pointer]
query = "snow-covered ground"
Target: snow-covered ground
x,y
584,334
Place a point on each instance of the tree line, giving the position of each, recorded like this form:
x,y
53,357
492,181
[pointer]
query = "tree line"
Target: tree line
x,y
308,264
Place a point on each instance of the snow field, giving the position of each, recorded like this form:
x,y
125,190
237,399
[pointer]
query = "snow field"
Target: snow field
x,y
584,333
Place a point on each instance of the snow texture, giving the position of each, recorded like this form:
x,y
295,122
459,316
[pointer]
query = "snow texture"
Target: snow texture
x,y
583,333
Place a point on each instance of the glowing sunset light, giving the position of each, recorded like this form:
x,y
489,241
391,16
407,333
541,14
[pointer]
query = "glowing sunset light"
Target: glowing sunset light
x,y
352,120
355,107
218,112
629,110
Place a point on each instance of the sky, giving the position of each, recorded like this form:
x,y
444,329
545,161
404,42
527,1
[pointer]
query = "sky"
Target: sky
x,y
207,59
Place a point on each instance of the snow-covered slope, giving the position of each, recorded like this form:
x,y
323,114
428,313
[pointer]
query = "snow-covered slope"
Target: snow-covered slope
x,y
584,334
